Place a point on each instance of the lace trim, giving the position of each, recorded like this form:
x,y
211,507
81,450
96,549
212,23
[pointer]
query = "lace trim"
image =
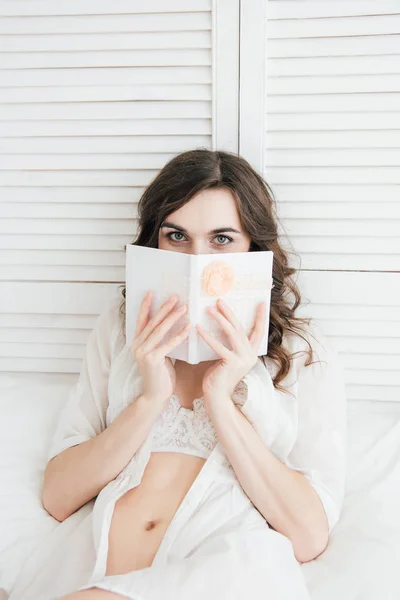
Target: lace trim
x,y
239,395
180,429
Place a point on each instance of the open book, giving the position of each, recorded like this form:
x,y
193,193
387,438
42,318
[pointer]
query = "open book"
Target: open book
x,y
241,279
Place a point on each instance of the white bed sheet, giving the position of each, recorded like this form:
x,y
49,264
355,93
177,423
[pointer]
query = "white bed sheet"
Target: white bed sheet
x,y
361,561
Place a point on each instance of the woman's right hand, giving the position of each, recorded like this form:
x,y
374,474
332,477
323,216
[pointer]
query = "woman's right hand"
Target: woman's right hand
x,y
156,369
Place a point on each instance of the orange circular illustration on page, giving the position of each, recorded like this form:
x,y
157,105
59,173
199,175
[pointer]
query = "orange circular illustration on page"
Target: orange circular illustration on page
x,y
217,278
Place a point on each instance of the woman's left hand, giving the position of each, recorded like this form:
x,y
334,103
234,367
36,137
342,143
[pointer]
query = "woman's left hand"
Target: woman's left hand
x,y
221,379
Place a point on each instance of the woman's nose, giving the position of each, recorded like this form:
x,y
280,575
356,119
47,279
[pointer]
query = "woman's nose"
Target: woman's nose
x,y
200,248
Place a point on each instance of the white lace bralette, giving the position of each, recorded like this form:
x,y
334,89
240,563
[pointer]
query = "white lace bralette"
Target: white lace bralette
x,y
181,429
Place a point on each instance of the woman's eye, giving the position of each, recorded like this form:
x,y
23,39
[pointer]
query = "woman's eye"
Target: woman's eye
x,y
225,237
174,233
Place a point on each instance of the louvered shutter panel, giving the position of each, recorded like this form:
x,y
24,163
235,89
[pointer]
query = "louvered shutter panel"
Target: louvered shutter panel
x,y
97,95
328,143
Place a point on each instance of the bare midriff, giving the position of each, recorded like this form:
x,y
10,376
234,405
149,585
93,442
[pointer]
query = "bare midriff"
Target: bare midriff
x,y
142,515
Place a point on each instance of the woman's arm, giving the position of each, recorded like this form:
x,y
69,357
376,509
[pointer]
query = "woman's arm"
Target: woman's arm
x,y
80,472
289,451
85,454
283,496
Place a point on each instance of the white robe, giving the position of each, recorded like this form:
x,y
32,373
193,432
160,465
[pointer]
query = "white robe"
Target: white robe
x,y
218,545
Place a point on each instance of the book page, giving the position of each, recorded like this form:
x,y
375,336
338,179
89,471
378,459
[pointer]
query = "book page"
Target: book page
x,y
165,273
242,280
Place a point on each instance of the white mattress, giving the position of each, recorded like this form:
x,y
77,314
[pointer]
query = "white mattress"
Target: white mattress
x,y
361,561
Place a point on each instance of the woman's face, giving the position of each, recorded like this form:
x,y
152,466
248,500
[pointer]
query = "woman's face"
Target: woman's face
x,y
191,229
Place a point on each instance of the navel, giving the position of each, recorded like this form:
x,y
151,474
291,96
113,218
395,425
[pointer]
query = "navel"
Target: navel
x,y
150,525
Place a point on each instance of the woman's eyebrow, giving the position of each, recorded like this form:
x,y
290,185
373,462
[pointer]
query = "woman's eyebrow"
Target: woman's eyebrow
x,y
183,230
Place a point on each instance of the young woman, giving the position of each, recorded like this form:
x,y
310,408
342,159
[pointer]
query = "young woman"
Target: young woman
x,y
212,480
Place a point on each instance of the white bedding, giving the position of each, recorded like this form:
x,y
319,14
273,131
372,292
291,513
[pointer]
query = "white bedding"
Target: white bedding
x,y
361,561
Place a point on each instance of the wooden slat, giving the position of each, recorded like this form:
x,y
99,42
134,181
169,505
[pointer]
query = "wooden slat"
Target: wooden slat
x,y
65,226
327,121
67,210
329,26
320,175
373,392
56,162
326,311
347,289
65,111
56,298
324,66
332,157
100,94
320,259
336,84
77,178
292,9
27,323
379,329
383,362
37,335
375,346
337,210
355,139
60,258
79,42
89,7
338,227
102,76
65,242
79,195
144,145
345,101
107,23
41,350
334,193
379,44
68,272
40,365
105,59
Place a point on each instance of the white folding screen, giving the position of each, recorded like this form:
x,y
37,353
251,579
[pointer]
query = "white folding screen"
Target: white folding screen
x,y
327,140
96,96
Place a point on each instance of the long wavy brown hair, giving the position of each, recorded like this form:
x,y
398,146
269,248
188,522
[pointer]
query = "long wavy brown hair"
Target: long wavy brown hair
x,y
187,174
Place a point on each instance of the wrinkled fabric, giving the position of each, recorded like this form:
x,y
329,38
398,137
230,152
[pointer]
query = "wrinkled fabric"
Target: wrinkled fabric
x,y
217,544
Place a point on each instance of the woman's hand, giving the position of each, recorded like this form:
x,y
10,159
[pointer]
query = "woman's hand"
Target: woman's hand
x,y
157,371
221,379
